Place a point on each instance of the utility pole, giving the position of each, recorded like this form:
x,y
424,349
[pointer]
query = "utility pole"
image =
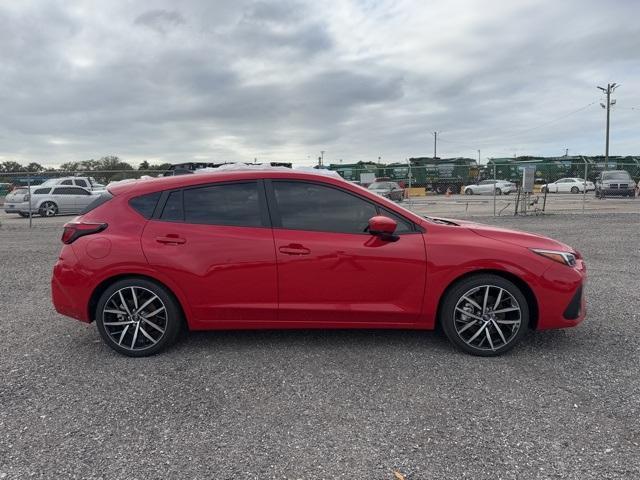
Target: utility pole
x,y
609,90
435,144
566,152
321,158
478,157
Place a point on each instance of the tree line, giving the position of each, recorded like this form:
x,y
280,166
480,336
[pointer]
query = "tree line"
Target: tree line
x,y
107,163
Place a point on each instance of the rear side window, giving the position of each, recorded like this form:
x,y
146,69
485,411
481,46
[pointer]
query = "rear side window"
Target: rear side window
x,y
309,206
234,204
103,198
145,204
81,183
66,182
172,211
41,191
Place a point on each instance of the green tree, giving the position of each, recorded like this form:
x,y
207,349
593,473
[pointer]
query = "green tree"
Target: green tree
x,y
70,166
35,167
143,165
10,167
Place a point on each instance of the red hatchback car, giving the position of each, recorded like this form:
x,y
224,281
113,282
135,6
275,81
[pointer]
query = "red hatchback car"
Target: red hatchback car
x,y
273,249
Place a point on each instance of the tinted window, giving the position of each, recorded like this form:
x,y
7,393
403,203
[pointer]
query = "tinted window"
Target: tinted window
x,y
308,206
404,226
616,176
82,183
172,210
70,191
103,198
41,191
235,204
66,182
145,204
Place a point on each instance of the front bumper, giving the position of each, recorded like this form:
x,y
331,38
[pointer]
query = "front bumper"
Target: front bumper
x,y
560,294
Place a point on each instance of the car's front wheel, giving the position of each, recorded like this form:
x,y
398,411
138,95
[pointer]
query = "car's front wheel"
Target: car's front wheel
x,y
575,190
498,191
484,315
48,209
138,317
468,191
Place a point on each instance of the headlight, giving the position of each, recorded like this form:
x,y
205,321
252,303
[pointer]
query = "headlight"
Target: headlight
x,y
566,258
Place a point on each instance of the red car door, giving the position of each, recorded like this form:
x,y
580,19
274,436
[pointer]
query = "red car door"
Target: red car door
x,y
216,243
332,272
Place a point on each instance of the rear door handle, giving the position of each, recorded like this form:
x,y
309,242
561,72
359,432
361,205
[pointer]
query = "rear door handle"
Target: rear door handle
x,y
294,249
171,239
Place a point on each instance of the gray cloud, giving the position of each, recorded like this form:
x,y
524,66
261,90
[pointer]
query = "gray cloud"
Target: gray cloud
x,y
285,79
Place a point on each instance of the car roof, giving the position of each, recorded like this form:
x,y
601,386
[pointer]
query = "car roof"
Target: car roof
x,y
157,184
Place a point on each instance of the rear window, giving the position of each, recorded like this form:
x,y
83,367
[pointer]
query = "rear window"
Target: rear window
x,y
101,199
20,191
41,191
145,204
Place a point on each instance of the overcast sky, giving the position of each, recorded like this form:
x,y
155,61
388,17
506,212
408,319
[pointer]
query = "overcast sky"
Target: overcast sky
x,y
281,80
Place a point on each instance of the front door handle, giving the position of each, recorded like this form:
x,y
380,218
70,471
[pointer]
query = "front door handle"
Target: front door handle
x,y
171,239
294,249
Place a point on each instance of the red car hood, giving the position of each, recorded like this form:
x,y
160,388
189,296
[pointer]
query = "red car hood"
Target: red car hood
x,y
516,237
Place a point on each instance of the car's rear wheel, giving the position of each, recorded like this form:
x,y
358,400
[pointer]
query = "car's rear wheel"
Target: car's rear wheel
x,y
484,315
48,209
23,215
498,191
575,190
137,317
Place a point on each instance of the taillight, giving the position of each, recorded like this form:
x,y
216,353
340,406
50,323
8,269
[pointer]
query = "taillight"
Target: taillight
x,y
74,230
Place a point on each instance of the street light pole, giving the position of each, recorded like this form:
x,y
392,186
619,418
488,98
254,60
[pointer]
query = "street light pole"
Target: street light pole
x,y
609,90
435,144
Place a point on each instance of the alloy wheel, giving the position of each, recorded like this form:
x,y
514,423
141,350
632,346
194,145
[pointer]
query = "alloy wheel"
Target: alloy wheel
x,y
135,318
49,209
487,317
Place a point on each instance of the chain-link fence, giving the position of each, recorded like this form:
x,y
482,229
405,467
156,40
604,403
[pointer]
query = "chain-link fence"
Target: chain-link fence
x,y
457,188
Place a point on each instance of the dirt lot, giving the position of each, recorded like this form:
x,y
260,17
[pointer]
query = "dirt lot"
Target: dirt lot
x,y
316,404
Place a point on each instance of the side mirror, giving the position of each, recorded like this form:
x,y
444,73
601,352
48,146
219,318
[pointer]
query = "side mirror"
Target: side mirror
x,y
383,227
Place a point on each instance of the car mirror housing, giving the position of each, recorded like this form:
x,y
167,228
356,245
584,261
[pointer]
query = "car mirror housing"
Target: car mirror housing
x,y
383,227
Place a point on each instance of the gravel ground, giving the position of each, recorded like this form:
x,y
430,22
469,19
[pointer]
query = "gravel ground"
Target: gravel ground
x,y
316,404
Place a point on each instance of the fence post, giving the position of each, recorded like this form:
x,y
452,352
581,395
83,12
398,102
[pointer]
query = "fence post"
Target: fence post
x,y
29,193
584,192
494,190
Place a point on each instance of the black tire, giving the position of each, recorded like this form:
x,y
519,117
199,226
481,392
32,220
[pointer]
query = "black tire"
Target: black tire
x,y
468,191
575,190
48,209
498,191
449,322
440,189
23,215
172,325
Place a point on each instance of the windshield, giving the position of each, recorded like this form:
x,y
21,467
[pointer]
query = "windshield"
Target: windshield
x,y
615,176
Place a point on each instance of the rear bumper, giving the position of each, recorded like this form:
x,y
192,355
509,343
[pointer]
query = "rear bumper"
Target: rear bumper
x,y
69,291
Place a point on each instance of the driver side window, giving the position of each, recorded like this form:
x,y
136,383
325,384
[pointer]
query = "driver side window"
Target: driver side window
x,y
314,207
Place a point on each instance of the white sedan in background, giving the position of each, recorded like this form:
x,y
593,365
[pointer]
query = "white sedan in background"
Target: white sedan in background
x,y
486,187
568,185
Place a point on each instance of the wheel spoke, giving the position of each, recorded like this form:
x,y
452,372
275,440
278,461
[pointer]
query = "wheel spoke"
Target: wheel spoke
x,y
123,334
128,322
153,325
124,304
498,299
117,312
499,330
135,335
142,307
507,322
472,302
464,312
466,327
135,298
155,312
489,338
475,335
144,332
505,310
486,297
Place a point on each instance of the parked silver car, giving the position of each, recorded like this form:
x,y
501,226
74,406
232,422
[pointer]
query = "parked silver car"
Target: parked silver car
x,y
50,201
615,182
486,187
14,199
85,182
